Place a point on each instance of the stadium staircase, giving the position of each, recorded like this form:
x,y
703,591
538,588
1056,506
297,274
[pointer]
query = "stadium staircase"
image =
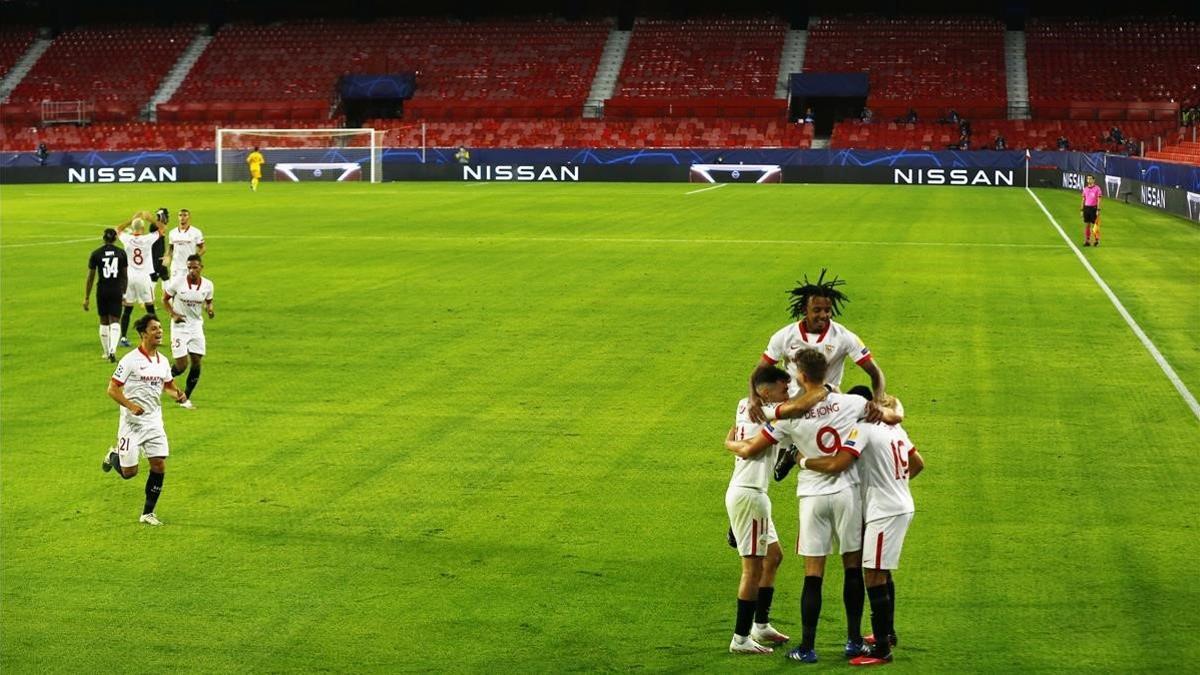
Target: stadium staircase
x,y
1016,75
30,54
1178,149
791,60
178,74
607,71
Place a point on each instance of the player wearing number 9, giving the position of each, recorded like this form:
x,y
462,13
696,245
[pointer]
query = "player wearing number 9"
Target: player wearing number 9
x,y
886,459
830,505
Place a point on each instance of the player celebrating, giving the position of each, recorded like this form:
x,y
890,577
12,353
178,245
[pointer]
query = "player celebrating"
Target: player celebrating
x,y
1091,211
187,298
138,247
113,265
830,506
753,530
184,241
136,386
814,304
255,161
887,460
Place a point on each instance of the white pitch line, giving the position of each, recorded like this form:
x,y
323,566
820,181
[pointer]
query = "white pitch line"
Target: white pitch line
x,y
713,187
48,243
635,240
1133,325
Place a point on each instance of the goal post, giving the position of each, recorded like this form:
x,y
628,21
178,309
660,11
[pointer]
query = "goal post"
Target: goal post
x,y
301,154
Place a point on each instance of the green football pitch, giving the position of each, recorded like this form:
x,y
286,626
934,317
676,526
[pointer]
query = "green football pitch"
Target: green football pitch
x,y
448,427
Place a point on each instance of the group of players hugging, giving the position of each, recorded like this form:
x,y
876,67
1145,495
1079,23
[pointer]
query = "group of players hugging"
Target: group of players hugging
x,y
852,460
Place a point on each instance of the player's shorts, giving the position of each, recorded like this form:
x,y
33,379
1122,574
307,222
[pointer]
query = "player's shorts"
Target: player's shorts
x,y
750,518
256,173
883,540
108,304
1089,214
186,341
139,289
134,441
824,517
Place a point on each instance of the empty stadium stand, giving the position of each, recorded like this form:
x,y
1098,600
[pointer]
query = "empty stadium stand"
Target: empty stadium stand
x,y
1072,61
714,58
927,64
14,41
116,67
1083,135
530,68
1178,149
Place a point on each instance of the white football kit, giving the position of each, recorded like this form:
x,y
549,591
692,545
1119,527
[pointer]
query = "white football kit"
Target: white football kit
x,y
829,504
184,243
883,452
746,499
139,250
835,343
188,299
143,378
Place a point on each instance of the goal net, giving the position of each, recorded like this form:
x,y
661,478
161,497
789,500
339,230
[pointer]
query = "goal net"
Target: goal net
x,y
301,154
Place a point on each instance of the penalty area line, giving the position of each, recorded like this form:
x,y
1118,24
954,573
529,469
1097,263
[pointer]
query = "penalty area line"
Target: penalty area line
x,y
1188,398
711,187
48,243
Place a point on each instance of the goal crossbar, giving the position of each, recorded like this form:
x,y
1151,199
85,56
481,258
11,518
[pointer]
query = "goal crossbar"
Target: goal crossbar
x,y
330,139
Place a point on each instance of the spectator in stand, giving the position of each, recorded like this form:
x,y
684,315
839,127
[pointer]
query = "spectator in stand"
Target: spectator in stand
x,y
951,118
1063,143
42,154
1131,147
911,117
964,142
1115,135
867,115
1001,142
808,115
463,156
964,127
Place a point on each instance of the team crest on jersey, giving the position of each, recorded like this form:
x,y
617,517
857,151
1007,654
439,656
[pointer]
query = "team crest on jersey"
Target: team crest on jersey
x,y
828,348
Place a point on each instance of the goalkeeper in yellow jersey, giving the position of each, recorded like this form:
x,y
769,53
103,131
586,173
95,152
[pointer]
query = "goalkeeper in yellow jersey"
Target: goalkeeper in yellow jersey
x,y
255,161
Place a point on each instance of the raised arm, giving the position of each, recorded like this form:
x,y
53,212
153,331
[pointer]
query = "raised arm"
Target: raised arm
x,y
878,381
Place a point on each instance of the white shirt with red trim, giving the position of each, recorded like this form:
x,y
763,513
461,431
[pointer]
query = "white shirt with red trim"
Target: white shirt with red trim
x,y
882,451
820,434
143,377
184,243
138,248
836,343
753,472
188,299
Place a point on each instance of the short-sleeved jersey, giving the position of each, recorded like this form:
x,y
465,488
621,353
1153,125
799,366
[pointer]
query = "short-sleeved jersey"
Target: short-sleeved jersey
x,y
882,451
836,343
110,264
820,434
184,243
140,249
255,160
188,299
143,377
751,472
1091,195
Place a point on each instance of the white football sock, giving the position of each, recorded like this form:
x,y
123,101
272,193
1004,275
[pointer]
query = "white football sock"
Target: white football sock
x,y
104,333
114,338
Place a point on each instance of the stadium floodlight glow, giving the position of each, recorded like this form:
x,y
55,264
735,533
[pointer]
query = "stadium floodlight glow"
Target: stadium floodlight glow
x,y
736,173
314,149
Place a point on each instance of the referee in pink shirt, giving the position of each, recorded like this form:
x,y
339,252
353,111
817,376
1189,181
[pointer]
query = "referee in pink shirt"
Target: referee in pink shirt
x,y
1091,212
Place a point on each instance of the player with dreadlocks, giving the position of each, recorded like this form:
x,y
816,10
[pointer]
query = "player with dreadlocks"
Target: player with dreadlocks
x,y
814,305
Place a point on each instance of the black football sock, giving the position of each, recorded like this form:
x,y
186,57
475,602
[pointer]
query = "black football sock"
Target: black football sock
x,y
192,378
745,615
879,623
125,316
154,483
891,586
115,460
853,595
150,309
762,612
810,611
